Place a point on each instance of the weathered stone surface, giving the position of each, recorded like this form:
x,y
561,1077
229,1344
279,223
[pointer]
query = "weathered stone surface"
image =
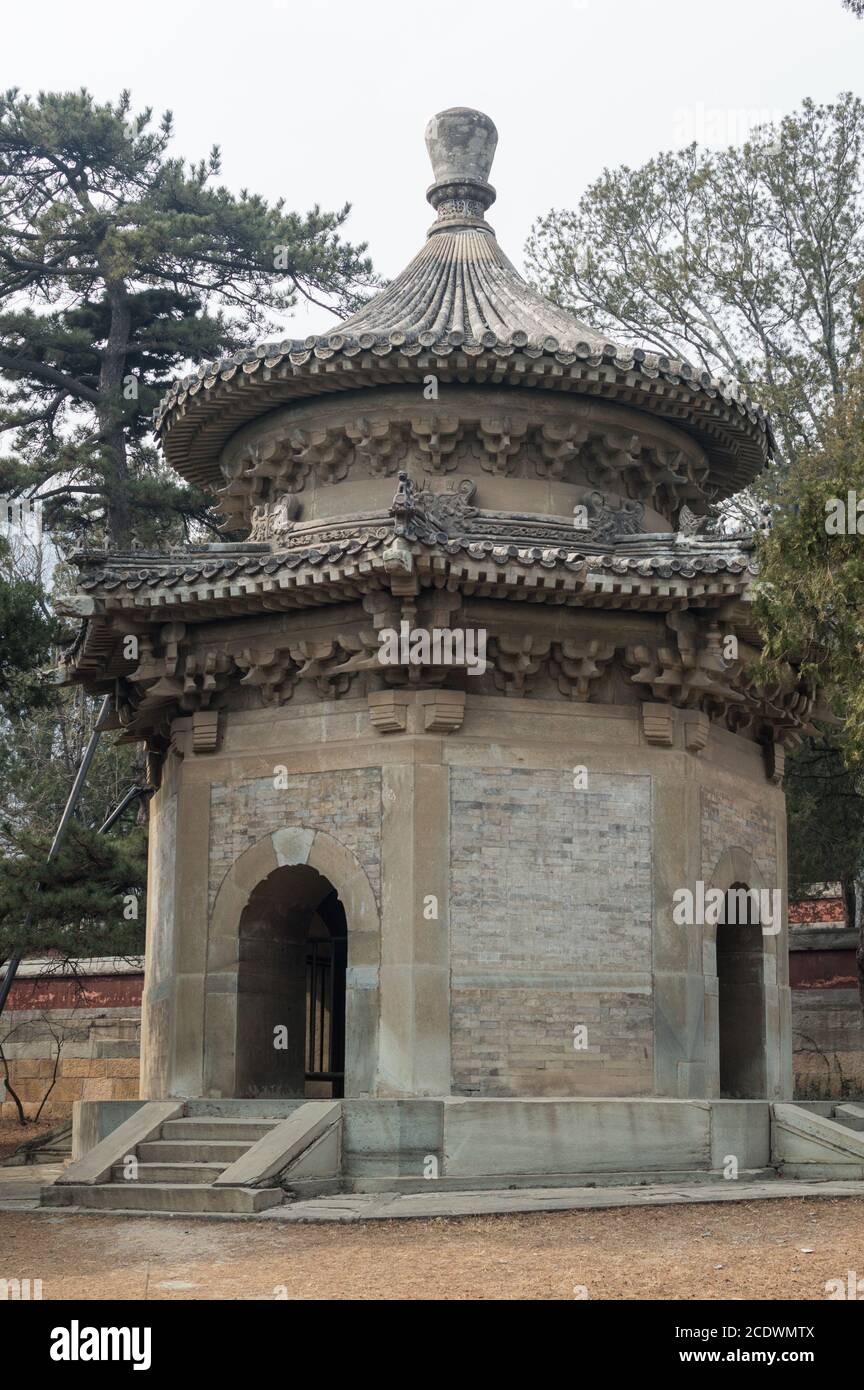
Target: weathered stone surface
x,y
469,868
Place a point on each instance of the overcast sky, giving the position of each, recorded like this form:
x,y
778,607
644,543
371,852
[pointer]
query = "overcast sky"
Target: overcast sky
x,y
326,100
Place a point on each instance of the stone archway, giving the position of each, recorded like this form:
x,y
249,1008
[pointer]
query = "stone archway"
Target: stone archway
x,y
742,1014
257,942
291,978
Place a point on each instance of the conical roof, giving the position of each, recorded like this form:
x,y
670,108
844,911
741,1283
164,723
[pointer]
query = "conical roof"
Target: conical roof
x,y
461,287
461,310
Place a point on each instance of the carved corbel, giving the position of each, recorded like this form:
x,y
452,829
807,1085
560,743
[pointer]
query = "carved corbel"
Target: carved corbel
x,y
270,669
273,521
388,711
658,725
437,437
444,712
206,671
775,761
380,444
502,440
575,665
326,663
561,443
205,731
326,450
612,454
697,730
517,660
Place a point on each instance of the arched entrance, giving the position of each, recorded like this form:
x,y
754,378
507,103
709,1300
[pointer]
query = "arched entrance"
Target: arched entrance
x,y
291,973
741,996
275,888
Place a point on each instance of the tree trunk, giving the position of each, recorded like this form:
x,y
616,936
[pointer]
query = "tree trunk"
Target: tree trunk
x,y
110,413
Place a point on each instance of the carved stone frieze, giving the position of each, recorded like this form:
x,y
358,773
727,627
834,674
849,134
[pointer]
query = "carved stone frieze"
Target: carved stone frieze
x,y
423,515
504,442
607,523
273,521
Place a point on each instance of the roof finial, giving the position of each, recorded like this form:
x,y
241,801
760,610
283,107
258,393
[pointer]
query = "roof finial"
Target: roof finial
x,y
461,144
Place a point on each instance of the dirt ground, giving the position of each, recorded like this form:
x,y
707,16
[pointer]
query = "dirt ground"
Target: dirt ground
x,y
745,1250
13,1135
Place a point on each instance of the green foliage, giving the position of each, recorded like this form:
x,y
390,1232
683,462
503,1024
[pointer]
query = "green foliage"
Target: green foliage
x,y
27,632
81,903
40,752
825,802
119,264
744,261
810,600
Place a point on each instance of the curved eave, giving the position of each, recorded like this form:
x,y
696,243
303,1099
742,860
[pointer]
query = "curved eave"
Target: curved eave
x,y
202,412
158,588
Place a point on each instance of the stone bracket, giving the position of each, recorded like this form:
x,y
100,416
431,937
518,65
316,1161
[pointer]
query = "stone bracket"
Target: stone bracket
x,y
443,710
205,731
775,761
388,711
697,730
658,724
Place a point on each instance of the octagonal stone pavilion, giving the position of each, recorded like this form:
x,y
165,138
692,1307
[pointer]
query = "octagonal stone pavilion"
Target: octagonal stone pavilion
x,y
449,891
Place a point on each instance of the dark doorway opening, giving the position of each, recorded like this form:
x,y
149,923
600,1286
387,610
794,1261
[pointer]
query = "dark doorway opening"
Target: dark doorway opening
x,y
326,963
741,997
291,985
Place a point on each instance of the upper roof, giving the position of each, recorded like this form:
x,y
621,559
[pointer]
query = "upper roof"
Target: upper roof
x,y
460,309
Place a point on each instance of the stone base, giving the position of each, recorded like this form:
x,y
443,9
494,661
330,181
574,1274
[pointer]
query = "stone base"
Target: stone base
x,y
544,1141
468,1143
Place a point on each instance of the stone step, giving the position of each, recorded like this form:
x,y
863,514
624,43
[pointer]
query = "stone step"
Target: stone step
x,y
211,1127
851,1115
170,1172
174,1197
223,1151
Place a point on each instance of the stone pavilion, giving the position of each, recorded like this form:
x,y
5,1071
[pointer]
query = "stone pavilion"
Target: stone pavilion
x,y
441,891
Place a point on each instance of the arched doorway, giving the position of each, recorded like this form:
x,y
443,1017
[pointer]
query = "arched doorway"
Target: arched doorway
x,y
741,996
291,973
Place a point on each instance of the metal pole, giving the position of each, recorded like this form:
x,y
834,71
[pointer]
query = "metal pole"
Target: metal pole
x,y
89,752
128,797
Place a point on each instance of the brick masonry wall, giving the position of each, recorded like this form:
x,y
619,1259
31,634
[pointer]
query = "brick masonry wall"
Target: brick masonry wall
x,y
739,822
345,804
550,921
98,1059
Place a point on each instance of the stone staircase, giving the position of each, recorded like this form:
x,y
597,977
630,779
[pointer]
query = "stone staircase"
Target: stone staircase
x,y
179,1165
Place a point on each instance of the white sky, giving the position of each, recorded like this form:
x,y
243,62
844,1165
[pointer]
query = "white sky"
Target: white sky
x,y
326,100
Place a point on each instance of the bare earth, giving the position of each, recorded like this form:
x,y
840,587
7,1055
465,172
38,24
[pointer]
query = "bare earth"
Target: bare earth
x,y
748,1250
13,1135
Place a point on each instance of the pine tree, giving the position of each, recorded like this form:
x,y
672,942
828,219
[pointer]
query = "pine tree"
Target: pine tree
x,y
87,902
118,264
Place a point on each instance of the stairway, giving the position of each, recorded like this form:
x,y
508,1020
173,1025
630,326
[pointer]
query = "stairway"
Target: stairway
x,y
175,1171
